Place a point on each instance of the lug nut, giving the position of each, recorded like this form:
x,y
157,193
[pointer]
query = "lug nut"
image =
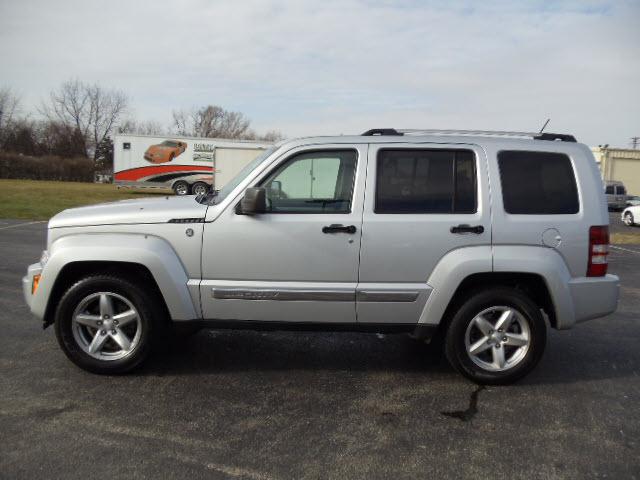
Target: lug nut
x,y
497,345
500,330
103,332
99,322
114,331
106,317
504,339
115,322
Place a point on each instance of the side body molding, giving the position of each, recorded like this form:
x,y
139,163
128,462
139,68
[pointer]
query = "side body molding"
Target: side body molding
x,y
449,273
152,252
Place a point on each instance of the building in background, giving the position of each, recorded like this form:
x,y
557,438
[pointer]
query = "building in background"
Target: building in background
x,y
620,164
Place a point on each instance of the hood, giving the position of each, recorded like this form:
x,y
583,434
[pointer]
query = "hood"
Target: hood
x,y
145,210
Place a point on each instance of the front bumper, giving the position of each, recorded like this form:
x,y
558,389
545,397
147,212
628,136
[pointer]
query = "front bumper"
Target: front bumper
x,y
27,285
594,297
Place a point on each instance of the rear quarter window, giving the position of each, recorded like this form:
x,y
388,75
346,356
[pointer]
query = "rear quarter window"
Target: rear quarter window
x,y
537,183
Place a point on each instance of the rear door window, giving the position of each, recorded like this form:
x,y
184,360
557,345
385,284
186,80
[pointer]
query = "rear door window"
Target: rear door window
x,y
425,181
537,183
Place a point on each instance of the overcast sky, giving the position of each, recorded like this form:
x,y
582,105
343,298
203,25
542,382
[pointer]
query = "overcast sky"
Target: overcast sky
x,y
325,67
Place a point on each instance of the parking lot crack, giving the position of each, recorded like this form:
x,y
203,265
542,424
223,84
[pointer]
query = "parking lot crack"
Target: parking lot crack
x,y
468,414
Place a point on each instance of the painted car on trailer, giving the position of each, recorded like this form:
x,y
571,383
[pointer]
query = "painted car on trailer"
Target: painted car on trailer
x,y
165,151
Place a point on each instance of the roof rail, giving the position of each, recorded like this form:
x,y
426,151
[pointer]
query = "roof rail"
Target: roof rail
x,y
563,137
490,133
382,131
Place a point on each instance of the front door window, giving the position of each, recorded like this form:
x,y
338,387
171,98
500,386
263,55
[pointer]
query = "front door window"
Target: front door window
x,y
313,182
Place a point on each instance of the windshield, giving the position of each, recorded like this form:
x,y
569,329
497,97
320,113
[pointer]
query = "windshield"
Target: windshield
x,y
169,143
242,174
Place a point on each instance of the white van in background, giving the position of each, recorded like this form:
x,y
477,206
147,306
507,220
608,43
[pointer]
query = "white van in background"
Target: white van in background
x,y
184,164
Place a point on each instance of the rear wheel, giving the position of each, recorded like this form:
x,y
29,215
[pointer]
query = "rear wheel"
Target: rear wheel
x,y
628,219
200,188
181,188
497,336
107,325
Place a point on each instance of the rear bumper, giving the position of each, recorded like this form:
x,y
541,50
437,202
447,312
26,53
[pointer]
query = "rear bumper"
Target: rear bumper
x,y
594,297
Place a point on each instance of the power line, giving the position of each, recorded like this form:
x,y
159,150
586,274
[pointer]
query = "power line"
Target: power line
x,y
634,142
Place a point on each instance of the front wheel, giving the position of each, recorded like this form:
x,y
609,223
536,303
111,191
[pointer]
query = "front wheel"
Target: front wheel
x,y
106,325
497,336
628,219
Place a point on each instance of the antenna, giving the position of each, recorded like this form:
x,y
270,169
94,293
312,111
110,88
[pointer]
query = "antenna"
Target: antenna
x,y
545,125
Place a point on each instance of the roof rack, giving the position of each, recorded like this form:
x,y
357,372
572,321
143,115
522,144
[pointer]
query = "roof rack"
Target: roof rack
x,y
382,131
488,133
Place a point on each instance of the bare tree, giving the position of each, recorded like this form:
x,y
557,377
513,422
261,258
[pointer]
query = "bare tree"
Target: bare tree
x,y
9,110
211,121
147,127
90,111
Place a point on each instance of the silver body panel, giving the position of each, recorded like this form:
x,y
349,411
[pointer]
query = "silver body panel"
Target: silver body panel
x,y
395,269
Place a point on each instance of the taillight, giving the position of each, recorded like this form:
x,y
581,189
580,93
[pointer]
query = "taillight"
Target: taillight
x,y
598,251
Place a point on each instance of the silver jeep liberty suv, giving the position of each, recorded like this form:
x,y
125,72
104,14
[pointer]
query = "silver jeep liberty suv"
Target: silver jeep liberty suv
x,y
477,240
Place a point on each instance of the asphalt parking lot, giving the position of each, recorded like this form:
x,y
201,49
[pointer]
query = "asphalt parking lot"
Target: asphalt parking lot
x,y
313,405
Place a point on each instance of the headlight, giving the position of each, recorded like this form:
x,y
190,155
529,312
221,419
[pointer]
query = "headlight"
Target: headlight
x,y
44,258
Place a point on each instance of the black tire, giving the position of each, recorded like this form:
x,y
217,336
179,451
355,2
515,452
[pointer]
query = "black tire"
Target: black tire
x,y
153,322
628,219
198,186
479,301
181,188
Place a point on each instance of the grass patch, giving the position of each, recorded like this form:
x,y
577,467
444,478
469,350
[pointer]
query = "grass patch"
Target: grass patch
x,y
625,238
40,200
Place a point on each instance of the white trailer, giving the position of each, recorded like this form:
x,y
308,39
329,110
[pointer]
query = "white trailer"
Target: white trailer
x,y
185,164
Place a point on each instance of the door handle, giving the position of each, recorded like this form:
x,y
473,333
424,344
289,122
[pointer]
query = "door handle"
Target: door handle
x,y
337,227
464,228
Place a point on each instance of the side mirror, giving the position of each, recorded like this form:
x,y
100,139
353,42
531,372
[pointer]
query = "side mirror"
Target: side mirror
x,y
254,201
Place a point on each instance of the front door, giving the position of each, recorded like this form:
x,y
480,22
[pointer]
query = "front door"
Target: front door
x,y
299,261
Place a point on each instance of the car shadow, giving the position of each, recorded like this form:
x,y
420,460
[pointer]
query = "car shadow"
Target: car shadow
x,y
583,354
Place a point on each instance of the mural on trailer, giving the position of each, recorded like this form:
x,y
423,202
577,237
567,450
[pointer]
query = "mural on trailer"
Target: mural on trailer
x,y
165,160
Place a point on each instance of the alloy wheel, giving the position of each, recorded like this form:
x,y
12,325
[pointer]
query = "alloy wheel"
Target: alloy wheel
x,y
498,338
106,326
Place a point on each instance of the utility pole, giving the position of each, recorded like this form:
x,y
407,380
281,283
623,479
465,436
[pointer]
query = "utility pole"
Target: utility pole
x,y
634,142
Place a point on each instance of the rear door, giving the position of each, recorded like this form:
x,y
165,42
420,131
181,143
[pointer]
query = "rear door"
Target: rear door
x,y
422,201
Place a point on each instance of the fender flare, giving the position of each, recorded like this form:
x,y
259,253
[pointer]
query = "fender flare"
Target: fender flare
x,y
548,264
448,274
149,251
459,264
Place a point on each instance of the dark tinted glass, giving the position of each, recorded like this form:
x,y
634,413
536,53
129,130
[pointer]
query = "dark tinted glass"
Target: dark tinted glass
x,y
426,181
537,183
609,190
622,190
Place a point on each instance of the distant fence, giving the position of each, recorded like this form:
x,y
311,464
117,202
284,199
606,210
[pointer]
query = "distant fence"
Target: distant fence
x,y
24,167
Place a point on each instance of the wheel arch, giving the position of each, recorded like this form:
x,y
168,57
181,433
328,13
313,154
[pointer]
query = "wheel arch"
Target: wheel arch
x,y
143,257
539,271
531,284
74,271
